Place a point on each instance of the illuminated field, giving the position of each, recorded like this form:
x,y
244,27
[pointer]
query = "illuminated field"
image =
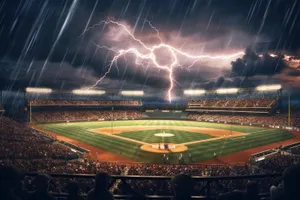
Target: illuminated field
x,y
201,139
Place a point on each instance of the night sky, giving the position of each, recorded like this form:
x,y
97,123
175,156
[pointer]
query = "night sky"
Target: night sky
x,y
44,43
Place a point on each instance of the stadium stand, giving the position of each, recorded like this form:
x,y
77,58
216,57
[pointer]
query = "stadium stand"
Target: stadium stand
x,y
48,116
279,119
30,152
234,103
57,102
83,110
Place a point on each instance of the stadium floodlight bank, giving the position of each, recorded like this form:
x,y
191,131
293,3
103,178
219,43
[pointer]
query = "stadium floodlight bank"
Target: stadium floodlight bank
x,y
88,92
38,90
227,90
194,92
132,93
268,87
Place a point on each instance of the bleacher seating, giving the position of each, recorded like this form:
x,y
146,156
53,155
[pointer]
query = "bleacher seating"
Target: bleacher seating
x,y
56,102
61,115
233,103
30,152
279,119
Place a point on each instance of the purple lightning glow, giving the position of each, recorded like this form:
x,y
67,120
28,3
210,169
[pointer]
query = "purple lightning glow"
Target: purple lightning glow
x,y
152,57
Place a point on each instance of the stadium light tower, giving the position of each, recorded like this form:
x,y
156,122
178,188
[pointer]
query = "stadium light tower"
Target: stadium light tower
x,y
88,92
195,92
38,90
132,92
268,87
227,90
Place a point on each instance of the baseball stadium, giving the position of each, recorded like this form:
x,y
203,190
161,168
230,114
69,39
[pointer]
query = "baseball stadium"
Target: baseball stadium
x,y
221,138
150,99
205,130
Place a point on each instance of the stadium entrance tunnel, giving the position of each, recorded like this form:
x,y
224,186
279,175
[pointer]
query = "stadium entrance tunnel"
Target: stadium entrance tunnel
x,y
164,148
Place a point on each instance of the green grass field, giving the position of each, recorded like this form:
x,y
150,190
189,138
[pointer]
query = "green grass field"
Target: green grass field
x,y
179,136
254,137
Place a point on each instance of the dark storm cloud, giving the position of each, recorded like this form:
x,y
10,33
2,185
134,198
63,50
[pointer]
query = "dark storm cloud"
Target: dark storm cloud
x,y
29,29
251,64
222,82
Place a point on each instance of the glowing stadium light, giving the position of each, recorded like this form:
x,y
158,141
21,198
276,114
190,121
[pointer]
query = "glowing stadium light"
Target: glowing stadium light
x,y
132,93
38,90
193,92
88,92
227,90
268,87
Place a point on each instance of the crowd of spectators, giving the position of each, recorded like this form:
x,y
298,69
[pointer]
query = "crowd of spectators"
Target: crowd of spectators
x,y
54,102
17,142
48,116
30,151
233,103
279,119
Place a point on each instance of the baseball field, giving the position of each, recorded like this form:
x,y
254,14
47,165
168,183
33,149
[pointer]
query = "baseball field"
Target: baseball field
x,y
141,140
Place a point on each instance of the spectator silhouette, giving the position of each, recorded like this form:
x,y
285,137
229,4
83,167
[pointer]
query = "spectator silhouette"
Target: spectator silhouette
x,y
41,184
277,192
10,182
234,195
101,188
74,191
291,180
182,186
252,191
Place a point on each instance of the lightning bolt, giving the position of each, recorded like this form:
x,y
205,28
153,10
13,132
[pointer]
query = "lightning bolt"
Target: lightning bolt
x,y
150,55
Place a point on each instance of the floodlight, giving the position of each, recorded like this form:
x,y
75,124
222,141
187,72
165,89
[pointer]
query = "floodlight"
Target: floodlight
x,y
132,92
193,92
88,92
227,90
268,87
38,90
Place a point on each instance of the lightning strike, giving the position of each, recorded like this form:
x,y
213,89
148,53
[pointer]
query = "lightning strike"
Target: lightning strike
x,y
150,55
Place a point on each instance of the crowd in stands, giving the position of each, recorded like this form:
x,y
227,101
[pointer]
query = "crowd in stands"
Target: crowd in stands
x,y
18,141
48,102
48,116
233,103
30,151
222,189
279,119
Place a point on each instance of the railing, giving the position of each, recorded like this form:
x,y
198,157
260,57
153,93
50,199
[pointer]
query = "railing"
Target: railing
x,y
206,189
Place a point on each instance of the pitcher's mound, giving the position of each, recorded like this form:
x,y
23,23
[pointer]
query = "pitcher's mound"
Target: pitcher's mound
x,y
159,148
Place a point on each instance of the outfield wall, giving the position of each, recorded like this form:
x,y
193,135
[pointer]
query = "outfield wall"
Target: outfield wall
x,y
165,114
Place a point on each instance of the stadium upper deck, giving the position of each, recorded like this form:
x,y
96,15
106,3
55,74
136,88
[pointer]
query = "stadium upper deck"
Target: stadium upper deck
x,y
57,102
255,105
233,103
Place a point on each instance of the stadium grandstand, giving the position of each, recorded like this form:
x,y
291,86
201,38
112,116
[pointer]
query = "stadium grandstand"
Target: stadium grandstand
x,y
60,152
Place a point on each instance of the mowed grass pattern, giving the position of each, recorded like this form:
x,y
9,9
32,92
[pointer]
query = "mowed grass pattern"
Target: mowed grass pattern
x,y
203,151
148,136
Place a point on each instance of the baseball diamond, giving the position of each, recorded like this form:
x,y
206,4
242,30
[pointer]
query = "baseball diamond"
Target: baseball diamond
x,y
137,141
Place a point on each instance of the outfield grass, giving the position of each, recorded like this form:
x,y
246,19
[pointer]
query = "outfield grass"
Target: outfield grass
x,y
203,151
